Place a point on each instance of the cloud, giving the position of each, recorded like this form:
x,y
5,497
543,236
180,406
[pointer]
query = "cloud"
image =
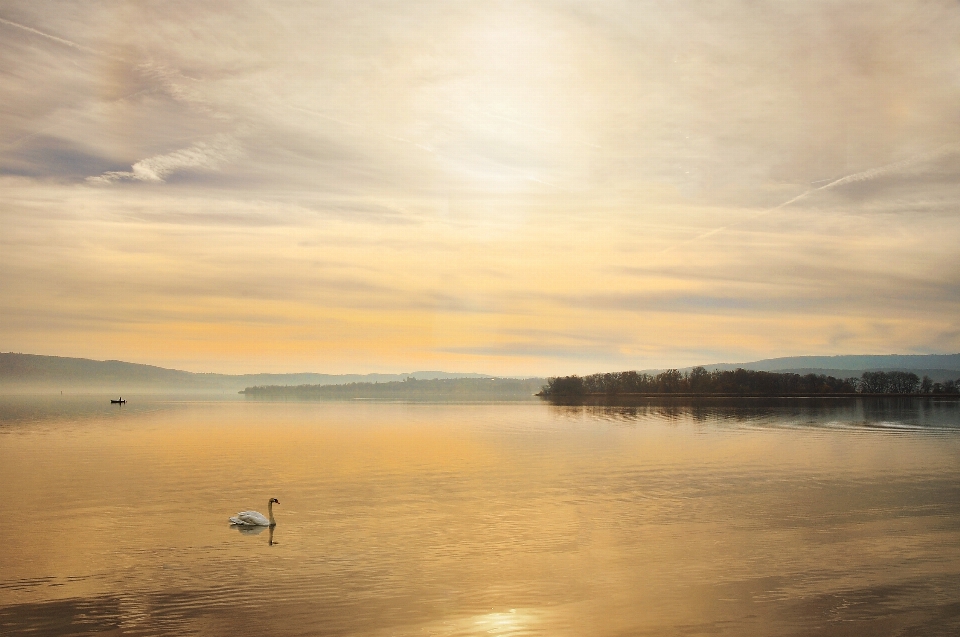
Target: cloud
x,y
854,178
202,155
65,42
178,86
446,176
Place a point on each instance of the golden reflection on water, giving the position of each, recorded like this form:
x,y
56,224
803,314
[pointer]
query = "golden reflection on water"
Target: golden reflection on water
x,y
483,520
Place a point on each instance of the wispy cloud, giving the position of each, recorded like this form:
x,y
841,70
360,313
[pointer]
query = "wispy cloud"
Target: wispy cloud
x,y
880,171
202,155
858,177
178,86
59,40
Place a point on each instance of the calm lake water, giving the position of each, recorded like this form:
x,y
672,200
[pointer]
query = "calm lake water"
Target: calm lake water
x,y
793,518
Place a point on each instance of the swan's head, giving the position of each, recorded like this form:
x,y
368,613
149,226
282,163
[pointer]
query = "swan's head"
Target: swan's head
x,y
274,500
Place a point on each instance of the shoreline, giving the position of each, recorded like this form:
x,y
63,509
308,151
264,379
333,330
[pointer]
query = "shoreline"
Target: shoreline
x,y
698,395
686,398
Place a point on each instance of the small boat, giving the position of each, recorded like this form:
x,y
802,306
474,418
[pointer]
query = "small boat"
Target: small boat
x,y
121,401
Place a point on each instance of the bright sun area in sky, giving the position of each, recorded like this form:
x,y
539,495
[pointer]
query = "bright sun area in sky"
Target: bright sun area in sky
x,y
504,187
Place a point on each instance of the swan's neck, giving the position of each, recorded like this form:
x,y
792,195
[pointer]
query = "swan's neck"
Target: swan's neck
x,y
270,513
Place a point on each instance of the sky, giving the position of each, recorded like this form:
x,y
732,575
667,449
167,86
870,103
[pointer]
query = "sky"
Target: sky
x,y
515,188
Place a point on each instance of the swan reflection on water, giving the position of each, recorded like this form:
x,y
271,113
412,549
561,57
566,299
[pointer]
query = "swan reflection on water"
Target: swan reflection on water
x,y
255,530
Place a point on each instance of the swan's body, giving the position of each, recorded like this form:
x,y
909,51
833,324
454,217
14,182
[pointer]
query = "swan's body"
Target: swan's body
x,y
251,518
255,518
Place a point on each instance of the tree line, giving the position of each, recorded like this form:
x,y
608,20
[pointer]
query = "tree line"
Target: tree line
x,y
743,382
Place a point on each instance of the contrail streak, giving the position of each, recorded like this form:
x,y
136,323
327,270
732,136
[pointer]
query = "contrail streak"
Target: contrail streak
x,y
62,41
865,175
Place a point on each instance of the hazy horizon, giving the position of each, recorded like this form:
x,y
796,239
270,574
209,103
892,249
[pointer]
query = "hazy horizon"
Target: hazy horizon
x,y
525,188
49,372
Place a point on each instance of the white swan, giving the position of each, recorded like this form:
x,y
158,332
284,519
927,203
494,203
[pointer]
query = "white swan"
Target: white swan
x,y
255,518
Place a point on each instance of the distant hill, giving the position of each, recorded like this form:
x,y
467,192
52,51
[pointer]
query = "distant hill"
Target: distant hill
x,y
882,362
939,367
32,373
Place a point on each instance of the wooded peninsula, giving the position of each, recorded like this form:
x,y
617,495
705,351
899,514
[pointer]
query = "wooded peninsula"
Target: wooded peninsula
x,y
743,382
